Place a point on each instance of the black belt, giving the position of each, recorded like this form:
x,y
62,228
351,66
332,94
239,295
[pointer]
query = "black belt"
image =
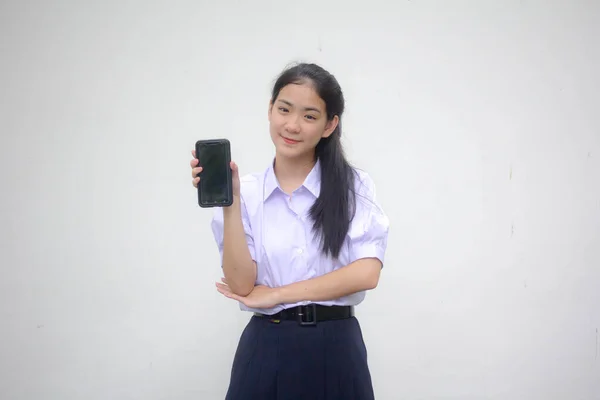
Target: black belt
x,y
310,314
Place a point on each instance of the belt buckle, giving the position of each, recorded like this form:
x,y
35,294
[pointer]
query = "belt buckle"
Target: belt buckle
x,y
307,315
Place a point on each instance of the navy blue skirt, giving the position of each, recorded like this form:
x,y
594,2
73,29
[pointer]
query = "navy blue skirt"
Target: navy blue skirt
x,y
286,361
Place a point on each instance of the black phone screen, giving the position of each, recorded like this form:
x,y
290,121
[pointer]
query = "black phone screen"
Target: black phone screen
x,y
215,179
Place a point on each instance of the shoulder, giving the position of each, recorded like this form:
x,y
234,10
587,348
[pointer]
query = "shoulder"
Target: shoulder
x,y
370,223
251,188
250,182
364,185
365,199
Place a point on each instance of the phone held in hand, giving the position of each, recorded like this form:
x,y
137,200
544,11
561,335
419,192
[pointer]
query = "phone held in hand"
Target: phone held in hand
x,y
215,188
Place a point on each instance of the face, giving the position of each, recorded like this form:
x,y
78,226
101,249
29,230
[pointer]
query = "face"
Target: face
x,y
298,120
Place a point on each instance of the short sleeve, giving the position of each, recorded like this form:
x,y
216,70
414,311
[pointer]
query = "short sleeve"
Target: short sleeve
x,y
218,231
368,231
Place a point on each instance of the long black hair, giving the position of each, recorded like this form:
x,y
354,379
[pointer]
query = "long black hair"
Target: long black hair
x,y
333,210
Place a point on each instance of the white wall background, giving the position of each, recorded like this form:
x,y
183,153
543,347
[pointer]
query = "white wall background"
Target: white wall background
x,y
479,121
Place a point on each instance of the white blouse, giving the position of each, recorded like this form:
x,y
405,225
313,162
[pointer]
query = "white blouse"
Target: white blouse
x,y
280,238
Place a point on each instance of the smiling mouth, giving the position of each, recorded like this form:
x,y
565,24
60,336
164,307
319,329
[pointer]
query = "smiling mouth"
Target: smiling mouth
x,y
289,141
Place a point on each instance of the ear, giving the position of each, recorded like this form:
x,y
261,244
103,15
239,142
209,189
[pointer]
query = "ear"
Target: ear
x,y
270,110
330,127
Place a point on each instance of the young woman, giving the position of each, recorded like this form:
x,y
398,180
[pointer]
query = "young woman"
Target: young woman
x,y
301,244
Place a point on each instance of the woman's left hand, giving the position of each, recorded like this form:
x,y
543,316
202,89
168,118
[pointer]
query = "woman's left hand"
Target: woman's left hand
x,y
260,297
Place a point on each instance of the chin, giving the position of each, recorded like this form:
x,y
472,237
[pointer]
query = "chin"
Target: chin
x,y
287,151
292,153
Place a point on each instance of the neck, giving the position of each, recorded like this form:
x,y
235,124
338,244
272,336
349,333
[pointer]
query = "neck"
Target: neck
x,y
291,173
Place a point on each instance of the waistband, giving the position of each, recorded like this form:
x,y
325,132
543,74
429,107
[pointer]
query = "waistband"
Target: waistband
x,y
310,314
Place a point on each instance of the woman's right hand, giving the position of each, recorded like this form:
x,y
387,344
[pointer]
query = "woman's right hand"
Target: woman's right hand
x,y
235,176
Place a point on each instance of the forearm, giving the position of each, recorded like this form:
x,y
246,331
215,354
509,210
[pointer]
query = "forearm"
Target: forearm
x,y
238,267
360,275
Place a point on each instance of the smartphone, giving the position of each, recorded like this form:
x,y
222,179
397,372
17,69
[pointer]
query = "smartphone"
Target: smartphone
x,y
215,188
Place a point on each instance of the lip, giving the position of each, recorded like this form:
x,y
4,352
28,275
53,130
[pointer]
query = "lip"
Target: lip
x,y
289,141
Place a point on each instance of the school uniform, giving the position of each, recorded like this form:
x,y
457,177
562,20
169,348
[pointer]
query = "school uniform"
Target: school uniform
x,y
304,350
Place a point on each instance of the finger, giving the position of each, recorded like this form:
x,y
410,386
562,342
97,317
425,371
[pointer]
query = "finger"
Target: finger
x,y
194,153
225,291
194,162
196,171
233,166
224,280
195,182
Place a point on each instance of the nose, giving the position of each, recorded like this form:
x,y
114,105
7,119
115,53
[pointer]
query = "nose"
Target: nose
x,y
292,125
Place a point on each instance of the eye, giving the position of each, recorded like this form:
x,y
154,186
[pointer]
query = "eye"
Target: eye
x,y
283,109
310,117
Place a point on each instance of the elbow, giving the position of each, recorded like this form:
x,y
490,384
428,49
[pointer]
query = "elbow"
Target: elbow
x,y
373,285
372,274
372,282
240,284
242,290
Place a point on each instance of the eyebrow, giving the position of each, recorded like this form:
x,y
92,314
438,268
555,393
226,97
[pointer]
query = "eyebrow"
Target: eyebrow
x,y
305,108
